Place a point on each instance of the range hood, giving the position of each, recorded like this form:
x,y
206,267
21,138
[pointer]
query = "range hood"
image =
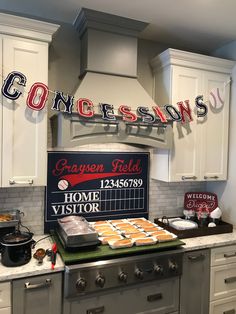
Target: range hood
x,y
109,76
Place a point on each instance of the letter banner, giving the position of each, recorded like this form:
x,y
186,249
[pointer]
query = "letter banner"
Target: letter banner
x,y
96,185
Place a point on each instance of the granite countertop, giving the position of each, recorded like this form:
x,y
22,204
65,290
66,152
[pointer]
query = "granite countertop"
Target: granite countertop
x,y
211,241
32,268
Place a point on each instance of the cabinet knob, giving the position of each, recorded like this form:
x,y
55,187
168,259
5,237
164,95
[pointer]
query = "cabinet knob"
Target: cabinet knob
x,y
189,178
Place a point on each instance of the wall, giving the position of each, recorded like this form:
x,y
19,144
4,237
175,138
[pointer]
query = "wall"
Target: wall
x,y
226,190
165,198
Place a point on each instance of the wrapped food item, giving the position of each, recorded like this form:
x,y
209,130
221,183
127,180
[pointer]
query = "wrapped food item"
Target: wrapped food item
x,y
145,241
123,243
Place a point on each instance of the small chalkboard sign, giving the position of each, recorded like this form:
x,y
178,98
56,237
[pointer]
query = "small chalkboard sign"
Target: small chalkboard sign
x,y
96,185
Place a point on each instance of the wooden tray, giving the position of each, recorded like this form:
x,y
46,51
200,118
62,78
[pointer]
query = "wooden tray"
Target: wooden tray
x,y
222,227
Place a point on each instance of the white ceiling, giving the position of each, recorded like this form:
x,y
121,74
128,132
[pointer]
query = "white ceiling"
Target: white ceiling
x,y
202,25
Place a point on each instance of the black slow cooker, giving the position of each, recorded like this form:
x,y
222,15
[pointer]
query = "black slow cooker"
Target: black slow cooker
x,y
16,248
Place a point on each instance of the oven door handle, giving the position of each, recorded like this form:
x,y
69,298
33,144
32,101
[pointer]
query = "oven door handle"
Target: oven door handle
x,y
154,297
96,310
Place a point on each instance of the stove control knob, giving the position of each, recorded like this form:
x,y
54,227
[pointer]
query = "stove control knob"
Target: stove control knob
x,y
100,281
123,276
138,273
158,270
173,266
81,284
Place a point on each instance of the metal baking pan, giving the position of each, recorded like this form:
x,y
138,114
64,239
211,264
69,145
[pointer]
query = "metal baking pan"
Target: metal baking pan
x,y
15,217
77,239
75,246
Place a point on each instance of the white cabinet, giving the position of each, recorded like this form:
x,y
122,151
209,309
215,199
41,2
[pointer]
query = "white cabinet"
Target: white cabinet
x,y
37,295
5,298
223,280
200,147
23,132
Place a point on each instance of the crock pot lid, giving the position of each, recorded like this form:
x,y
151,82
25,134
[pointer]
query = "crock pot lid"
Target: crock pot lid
x,y
16,237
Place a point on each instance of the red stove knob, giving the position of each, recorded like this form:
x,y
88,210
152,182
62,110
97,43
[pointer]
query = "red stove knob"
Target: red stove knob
x,y
158,269
173,266
123,276
100,281
81,284
138,273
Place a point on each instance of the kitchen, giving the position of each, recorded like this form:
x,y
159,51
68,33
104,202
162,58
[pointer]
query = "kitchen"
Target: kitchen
x,y
169,195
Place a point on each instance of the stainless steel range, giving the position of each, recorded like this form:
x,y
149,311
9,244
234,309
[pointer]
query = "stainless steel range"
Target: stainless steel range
x,y
146,283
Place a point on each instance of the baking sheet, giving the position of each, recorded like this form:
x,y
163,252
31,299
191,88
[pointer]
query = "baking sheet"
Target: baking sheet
x,y
105,252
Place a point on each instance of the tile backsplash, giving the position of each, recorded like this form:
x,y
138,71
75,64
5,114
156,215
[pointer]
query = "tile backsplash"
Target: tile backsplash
x,y
164,198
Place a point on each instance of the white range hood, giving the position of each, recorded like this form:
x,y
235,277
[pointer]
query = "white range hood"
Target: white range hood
x,y
109,75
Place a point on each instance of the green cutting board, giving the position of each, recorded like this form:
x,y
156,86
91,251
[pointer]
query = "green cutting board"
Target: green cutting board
x,y
105,252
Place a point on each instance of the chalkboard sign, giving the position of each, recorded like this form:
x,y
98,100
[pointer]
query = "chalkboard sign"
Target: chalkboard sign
x,y
96,185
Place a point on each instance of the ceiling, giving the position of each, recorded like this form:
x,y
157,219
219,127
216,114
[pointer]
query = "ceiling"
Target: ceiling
x,y
202,25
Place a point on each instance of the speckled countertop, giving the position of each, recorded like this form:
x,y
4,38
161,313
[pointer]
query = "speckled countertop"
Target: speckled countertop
x,y
210,241
32,268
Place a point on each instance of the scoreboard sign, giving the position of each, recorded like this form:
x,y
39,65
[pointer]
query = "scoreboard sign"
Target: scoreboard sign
x,y
96,185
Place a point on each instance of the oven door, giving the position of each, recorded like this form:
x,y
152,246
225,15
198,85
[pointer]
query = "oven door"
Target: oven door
x,y
156,297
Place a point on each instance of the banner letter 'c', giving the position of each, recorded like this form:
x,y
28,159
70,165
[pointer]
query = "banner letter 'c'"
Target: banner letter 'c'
x,y
8,83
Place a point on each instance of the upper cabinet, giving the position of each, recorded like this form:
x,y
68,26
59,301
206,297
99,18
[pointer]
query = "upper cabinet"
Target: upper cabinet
x,y
200,146
23,131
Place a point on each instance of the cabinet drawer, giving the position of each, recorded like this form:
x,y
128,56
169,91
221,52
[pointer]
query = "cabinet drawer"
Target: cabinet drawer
x,y
223,255
223,281
225,306
5,295
156,298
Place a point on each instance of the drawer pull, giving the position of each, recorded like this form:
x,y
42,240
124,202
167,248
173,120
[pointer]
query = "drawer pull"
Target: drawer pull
x,y
96,310
30,182
230,279
229,312
196,257
189,178
227,255
154,297
213,177
45,284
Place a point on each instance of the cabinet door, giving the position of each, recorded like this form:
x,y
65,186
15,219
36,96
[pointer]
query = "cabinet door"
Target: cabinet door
x,y
215,127
24,143
42,294
184,162
5,294
194,292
